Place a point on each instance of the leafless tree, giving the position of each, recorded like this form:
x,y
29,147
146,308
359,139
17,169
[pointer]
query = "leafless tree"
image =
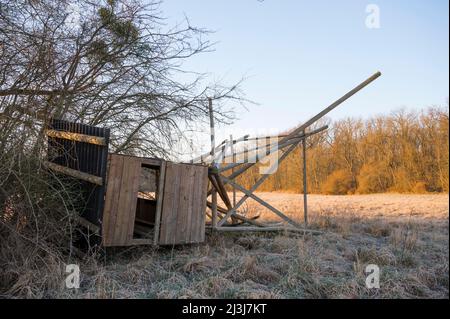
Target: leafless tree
x,y
109,63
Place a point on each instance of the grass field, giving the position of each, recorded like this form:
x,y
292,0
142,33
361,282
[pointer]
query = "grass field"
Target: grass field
x,y
405,235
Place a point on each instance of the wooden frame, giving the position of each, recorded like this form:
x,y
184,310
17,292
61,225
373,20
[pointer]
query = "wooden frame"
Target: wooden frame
x,y
182,189
287,143
180,202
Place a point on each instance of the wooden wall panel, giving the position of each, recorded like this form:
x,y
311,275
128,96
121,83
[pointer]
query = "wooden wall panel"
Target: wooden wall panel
x,y
184,204
112,199
121,200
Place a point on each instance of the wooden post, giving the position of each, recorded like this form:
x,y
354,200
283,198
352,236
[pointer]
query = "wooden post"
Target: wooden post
x,y
214,208
232,170
305,191
213,154
211,126
159,201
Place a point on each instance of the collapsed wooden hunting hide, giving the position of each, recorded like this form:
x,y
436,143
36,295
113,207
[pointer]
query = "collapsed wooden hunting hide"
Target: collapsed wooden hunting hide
x,y
133,200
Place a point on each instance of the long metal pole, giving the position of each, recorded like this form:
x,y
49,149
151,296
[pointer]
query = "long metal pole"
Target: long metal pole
x,y
305,190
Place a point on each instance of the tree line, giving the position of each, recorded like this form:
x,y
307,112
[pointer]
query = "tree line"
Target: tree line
x,y
405,151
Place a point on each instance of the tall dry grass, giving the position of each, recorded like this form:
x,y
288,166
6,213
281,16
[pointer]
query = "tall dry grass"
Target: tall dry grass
x,y
406,239
37,227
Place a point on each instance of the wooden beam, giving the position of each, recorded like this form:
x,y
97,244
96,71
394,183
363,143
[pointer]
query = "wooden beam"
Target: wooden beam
x,y
214,207
264,203
223,194
74,173
96,140
239,216
256,185
333,105
140,241
222,191
274,148
305,191
159,200
267,229
232,170
87,224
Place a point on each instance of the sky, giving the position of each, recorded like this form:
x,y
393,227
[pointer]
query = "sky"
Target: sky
x,y
299,56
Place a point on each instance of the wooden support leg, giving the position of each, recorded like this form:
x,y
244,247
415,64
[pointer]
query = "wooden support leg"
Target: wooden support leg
x,y
305,190
257,184
265,204
221,210
214,208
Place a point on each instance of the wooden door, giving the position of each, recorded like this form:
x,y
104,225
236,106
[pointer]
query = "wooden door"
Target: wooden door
x,y
121,200
184,204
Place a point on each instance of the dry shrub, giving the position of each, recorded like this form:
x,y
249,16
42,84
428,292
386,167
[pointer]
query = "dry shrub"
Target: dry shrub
x,y
402,181
36,228
419,188
404,238
373,178
340,182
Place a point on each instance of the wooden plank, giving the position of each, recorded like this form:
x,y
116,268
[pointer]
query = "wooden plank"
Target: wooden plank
x,y
129,219
198,210
252,220
159,198
269,229
305,190
333,105
222,191
202,205
74,173
87,224
112,199
255,186
192,210
170,203
77,137
214,207
171,223
152,161
122,204
140,241
274,148
184,203
263,203
127,200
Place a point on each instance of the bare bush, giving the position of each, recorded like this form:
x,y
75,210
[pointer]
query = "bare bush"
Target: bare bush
x,y
339,183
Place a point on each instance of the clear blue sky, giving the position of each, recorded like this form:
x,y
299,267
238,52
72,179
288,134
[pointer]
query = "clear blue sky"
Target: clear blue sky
x,y
301,55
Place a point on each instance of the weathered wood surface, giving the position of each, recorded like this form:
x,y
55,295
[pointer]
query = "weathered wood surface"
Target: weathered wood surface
x,y
96,140
83,157
267,229
121,200
184,204
254,187
159,201
305,186
272,150
74,173
252,220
